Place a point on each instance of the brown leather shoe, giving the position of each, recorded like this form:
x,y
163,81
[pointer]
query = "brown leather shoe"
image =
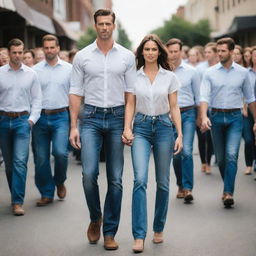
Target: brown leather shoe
x,y
138,246
17,210
44,201
110,243
228,200
208,169
158,238
93,232
188,197
61,191
180,193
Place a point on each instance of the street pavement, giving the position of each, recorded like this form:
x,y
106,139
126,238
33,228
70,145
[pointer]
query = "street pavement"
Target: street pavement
x,y
204,228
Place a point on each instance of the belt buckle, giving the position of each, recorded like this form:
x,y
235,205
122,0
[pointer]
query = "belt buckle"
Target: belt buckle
x,y
13,114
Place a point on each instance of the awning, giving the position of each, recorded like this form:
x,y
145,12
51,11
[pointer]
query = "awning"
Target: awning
x,y
33,17
239,24
7,4
62,29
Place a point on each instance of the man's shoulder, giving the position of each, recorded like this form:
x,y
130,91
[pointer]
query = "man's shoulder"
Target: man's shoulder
x,y
124,50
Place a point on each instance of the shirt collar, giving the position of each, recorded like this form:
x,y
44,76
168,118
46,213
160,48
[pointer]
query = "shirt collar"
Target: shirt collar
x,y
141,71
219,65
22,67
59,62
95,46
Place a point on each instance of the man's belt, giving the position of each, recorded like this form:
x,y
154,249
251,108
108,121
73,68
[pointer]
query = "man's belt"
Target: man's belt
x,y
225,110
53,111
186,108
13,114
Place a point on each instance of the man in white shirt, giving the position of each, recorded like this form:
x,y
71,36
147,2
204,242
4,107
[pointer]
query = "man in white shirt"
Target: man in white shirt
x,y
20,106
104,74
52,129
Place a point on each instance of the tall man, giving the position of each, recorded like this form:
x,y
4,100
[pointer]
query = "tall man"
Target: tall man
x,y
188,100
223,87
104,73
20,106
52,129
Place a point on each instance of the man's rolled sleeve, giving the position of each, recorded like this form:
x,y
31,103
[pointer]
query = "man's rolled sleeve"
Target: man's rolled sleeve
x,y
205,90
36,100
130,74
77,78
248,90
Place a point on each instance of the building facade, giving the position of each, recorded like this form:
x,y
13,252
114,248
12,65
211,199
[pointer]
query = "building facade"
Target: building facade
x,y
235,18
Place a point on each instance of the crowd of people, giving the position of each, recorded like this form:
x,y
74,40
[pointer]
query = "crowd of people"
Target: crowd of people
x,y
154,101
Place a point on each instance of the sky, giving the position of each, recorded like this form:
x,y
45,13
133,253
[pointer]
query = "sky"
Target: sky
x,y
139,17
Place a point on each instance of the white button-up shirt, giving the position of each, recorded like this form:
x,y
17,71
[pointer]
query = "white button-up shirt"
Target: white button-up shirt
x,y
152,99
225,88
103,79
55,83
20,91
190,85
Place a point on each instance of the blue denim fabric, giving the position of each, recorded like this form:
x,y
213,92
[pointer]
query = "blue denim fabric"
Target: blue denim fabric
x,y
226,133
95,124
154,133
14,143
50,131
183,162
247,133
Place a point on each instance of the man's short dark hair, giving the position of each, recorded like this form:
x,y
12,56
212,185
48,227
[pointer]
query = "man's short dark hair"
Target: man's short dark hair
x,y
174,41
14,42
104,12
227,40
50,38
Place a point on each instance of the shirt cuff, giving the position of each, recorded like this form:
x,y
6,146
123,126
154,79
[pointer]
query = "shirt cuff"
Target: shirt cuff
x,y
76,91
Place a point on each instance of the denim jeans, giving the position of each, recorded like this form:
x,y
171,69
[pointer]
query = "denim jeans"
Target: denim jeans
x,y
226,132
247,133
14,143
50,132
95,124
154,133
183,162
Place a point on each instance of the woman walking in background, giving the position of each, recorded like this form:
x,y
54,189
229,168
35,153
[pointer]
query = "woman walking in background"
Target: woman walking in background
x,y
155,97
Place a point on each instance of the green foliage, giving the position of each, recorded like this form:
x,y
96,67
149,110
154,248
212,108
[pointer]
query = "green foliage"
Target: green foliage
x,y
123,38
191,34
87,38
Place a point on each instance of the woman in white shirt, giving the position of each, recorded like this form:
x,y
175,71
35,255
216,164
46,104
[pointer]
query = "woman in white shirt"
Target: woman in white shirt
x,y
153,101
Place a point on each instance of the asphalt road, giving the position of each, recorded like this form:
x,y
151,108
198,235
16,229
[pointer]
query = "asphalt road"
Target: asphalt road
x,y
204,228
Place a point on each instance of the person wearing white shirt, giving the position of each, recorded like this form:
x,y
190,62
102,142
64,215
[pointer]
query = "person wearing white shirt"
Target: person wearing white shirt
x,y
20,107
223,88
104,74
153,99
52,129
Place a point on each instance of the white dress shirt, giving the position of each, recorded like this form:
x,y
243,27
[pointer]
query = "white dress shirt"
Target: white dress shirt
x,y
152,99
103,79
225,88
55,83
20,91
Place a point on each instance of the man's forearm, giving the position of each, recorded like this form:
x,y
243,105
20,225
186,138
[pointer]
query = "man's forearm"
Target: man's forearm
x,y
74,108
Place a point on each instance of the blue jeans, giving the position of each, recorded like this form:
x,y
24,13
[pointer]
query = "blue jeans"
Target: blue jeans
x,y
226,132
183,162
156,133
50,131
247,133
14,143
95,124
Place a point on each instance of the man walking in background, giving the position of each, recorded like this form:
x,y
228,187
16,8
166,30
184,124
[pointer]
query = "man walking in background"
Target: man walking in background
x,y
20,106
52,129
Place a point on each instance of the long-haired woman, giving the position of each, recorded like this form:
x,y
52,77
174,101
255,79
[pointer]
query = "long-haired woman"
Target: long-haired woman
x,y
153,102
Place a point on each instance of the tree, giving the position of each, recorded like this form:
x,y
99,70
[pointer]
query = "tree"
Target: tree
x,y
123,38
87,38
191,34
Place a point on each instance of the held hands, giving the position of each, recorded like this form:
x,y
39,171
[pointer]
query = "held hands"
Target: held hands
x,y
206,124
74,138
127,137
178,145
